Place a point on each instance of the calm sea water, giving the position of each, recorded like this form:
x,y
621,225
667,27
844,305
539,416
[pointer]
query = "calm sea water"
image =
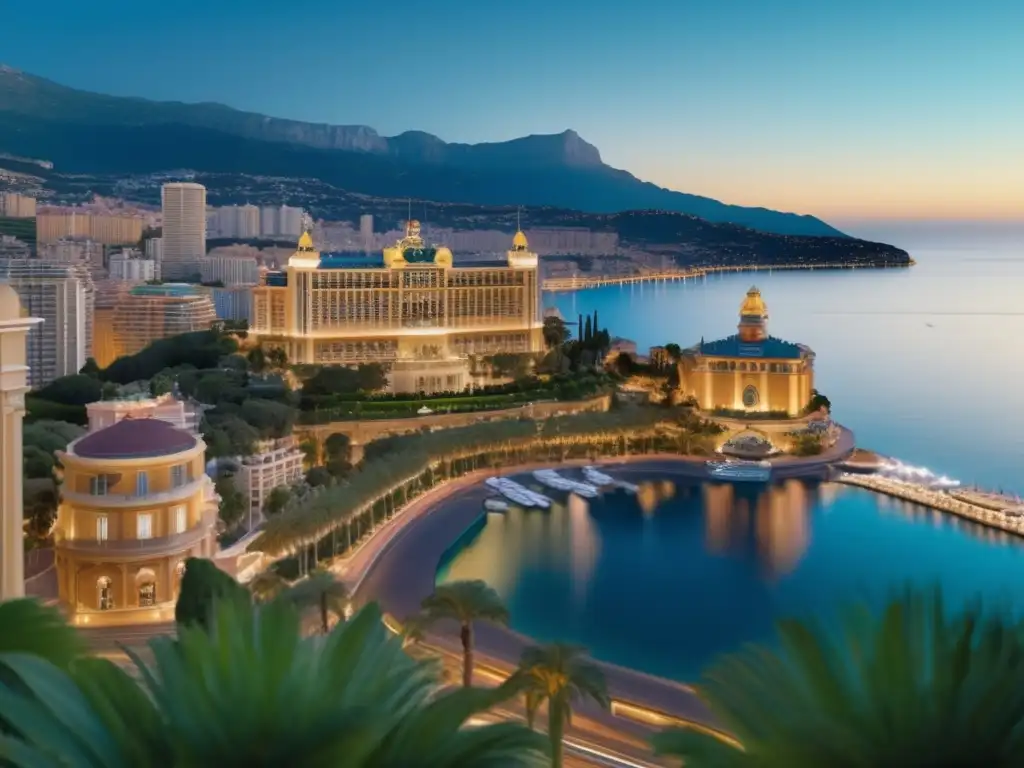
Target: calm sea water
x,y
924,364
667,580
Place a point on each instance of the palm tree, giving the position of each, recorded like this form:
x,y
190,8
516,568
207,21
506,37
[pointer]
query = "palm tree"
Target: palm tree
x,y
464,602
915,686
266,585
322,591
254,691
561,675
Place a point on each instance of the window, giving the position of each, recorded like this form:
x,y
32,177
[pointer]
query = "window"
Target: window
x,y
141,484
98,485
144,525
177,475
180,518
101,528
106,594
147,594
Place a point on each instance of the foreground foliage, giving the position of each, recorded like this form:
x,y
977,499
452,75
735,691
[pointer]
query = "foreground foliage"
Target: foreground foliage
x,y
251,691
916,687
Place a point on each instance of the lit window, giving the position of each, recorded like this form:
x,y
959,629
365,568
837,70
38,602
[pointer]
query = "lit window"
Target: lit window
x,y
101,528
98,485
145,525
177,476
180,519
141,484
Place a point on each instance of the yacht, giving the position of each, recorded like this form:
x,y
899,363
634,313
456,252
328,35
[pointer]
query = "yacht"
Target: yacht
x,y
496,505
516,493
595,477
552,479
740,471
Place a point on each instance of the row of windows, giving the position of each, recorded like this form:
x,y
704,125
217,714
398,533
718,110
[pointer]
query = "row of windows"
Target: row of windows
x,y
763,367
181,475
146,585
144,524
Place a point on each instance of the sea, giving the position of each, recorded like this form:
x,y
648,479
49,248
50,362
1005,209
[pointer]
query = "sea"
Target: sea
x,y
924,364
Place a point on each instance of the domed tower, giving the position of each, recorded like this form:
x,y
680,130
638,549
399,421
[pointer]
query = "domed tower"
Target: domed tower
x,y
753,325
519,242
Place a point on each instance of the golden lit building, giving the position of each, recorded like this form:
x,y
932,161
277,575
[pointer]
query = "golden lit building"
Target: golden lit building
x,y
103,228
135,503
150,312
413,309
749,371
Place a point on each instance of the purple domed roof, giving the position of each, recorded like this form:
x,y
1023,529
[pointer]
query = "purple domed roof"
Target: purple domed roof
x,y
135,439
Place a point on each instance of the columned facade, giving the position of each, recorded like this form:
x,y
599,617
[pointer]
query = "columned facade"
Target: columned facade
x,y
13,385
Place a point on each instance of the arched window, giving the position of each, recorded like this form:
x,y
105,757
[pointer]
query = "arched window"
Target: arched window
x,y
750,397
145,583
732,366
105,593
743,366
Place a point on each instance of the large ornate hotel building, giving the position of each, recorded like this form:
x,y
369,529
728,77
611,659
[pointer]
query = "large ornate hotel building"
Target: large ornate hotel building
x,y
413,309
750,370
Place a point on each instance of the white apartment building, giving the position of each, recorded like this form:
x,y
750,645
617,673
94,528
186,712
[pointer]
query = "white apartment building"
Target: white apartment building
x,y
184,229
230,270
281,222
131,266
236,221
276,462
155,249
62,295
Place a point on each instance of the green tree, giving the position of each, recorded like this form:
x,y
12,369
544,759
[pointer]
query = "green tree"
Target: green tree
x,y
267,585
76,389
338,454
277,500
320,590
674,352
270,419
912,686
559,675
257,359
318,477
161,384
202,586
277,359
215,699
464,602
555,331
27,626
817,402
233,504
91,368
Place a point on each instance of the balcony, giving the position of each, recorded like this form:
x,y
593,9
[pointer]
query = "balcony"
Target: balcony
x,y
153,547
120,500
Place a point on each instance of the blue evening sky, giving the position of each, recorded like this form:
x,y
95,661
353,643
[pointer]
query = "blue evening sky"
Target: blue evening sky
x,y
868,109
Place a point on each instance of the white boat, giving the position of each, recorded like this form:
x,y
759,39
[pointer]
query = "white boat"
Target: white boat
x,y
517,493
596,477
496,505
740,471
552,479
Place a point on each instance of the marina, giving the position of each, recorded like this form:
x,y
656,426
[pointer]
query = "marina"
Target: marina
x,y
596,477
516,493
551,479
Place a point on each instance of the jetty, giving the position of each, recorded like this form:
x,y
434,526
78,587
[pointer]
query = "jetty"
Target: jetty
x,y
580,282
1009,518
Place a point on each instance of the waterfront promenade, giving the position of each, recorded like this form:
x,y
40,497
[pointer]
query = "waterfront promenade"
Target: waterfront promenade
x,y
580,282
1009,519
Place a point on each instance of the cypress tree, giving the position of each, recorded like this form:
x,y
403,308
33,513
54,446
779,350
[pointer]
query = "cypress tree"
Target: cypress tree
x,y
579,333
597,328
588,332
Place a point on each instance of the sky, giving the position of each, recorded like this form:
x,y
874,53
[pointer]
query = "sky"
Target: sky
x,y
851,111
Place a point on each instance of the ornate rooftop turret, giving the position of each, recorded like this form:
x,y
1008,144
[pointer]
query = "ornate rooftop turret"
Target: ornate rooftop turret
x,y
753,325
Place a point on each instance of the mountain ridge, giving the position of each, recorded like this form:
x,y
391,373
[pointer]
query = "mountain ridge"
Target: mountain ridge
x,y
95,133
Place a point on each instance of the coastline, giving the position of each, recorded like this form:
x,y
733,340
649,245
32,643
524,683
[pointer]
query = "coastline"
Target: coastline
x,y
582,282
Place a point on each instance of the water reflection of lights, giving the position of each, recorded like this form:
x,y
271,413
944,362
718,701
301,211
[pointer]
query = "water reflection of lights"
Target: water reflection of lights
x,y
652,493
776,519
584,545
939,519
897,470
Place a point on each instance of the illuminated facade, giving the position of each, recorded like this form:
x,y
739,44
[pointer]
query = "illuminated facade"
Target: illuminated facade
x,y
150,312
413,309
749,371
135,503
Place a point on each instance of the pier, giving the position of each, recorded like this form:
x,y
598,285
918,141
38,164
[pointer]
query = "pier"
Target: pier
x,y
580,282
1009,519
